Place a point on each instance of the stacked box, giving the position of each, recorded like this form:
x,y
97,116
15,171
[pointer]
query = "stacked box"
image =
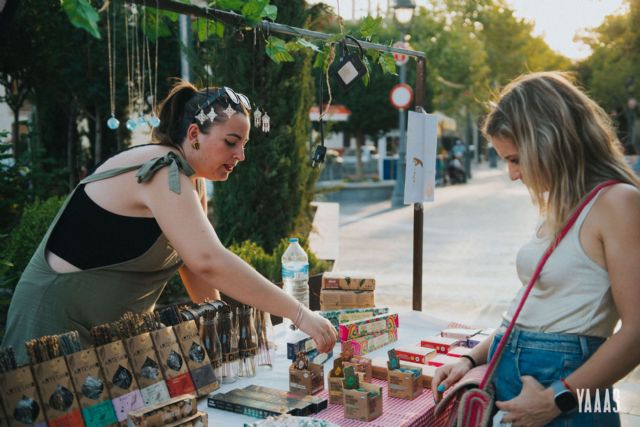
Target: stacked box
x,y
171,411
368,343
246,406
336,299
405,382
300,405
380,370
440,344
415,354
364,403
348,281
301,342
337,317
362,367
369,326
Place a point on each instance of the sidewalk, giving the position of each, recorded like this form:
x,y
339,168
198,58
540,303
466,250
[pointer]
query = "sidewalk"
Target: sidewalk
x,y
472,233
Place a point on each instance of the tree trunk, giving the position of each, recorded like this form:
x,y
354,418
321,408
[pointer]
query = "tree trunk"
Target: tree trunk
x,y
97,147
71,159
359,144
15,133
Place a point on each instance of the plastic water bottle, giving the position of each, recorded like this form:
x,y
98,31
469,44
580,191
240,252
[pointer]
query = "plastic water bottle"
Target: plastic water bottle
x,y
295,274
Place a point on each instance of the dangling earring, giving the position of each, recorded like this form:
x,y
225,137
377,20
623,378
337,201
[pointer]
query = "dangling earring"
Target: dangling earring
x,y
195,145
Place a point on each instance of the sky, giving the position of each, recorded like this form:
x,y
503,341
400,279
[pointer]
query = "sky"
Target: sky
x,y
557,21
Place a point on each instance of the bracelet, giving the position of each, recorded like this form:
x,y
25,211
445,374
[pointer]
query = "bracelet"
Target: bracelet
x,y
299,315
470,359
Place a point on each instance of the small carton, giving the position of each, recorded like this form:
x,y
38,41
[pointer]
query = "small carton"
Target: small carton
x,y
364,403
21,399
118,375
146,369
371,325
367,344
405,382
439,344
305,378
172,364
334,300
485,334
202,374
161,414
415,354
90,385
461,334
380,370
200,419
297,342
337,317
459,351
347,281
442,359
60,404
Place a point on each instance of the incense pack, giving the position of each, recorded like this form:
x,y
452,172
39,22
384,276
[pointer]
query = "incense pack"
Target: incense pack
x,y
415,354
172,363
202,374
347,281
91,389
59,401
367,344
371,325
121,383
245,406
364,403
173,410
337,317
405,382
21,399
306,381
380,370
440,344
317,404
334,299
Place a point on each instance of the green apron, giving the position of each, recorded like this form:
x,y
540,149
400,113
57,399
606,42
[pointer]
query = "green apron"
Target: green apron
x,y
46,302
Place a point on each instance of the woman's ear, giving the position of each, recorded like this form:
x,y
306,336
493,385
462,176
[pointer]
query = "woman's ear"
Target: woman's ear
x,y
192,132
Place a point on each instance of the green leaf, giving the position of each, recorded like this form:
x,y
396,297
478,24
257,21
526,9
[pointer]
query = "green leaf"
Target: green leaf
x,y
277,50
387,63
82,15
334,38
319,61
308,45
367,65
373,54
230,4
369,27
200,28
292,46
149,26
252,10
270,11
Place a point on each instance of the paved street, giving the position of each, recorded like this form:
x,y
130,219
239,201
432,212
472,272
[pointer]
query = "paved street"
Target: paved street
x,y
471,235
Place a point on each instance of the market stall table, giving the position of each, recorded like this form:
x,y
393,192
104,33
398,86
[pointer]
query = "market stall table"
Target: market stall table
x,y
397,412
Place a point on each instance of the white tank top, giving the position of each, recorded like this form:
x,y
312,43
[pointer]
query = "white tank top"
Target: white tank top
x,y
572,294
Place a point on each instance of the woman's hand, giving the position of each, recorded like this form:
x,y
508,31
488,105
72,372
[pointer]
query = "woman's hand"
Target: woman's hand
x,y
448,375
533,407
318,328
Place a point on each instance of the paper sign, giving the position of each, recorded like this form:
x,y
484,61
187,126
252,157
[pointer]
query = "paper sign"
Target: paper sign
x,y
422,140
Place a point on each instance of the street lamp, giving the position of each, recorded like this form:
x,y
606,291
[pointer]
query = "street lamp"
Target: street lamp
x,y
403,10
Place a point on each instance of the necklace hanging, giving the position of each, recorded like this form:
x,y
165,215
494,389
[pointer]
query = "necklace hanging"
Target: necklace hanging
x,y
112,123
266,122
154,121
131,123
140,62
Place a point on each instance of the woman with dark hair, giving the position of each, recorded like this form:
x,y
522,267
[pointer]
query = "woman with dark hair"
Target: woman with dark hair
x,y
139,218
565,351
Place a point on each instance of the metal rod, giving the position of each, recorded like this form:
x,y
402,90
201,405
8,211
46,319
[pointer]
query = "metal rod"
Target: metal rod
x,y
237,20
418,208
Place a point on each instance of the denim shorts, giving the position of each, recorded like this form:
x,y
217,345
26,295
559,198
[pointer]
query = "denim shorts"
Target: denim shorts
x,y
547,358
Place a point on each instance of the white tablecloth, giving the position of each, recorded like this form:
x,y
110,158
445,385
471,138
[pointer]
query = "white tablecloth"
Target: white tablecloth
x,y
413,326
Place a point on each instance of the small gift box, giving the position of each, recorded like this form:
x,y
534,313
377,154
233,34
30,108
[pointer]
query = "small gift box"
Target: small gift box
x,y
439,344
305,378
363,403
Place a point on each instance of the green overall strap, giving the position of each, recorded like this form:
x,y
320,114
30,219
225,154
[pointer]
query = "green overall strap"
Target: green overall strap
x,y
146,170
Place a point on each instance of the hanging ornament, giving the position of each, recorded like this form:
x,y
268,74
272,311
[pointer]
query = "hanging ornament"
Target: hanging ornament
x,y
132,124
257,118
154,121
266,123
113,123
141,121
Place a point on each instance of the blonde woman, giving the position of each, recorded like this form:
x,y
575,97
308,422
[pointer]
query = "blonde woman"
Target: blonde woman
x,y
564,354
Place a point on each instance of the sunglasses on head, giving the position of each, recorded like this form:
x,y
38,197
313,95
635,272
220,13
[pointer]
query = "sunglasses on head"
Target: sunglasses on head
x,y
232,96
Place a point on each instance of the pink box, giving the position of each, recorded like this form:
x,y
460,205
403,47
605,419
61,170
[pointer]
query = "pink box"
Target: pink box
x,y
368,326
369,343
439,344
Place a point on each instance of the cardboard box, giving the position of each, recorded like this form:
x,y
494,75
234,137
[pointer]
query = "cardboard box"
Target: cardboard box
x,y
348,281
369,343
405,383
360,405
172,364
335,387
297,342
21,399
371,325
379,366
91,389
439,344
333,300
337,317
202,373
443,359
201,419
174,409
459,333
317,404
146,369
459,351
306,381
415,354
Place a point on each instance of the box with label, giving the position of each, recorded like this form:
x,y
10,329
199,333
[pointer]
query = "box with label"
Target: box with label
x,y
91,389
245,406
415,354
380,370
459,351
172,364
371,325
161,414
337,317
299,342
200,419
202,374
118,375
367,344
21,399
317,403
364,403
306,381
333,300
405,382
439,344
348,281
59,400
295,406
146,369
443,359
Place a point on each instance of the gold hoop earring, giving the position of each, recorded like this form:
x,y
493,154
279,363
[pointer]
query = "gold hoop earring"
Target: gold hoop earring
x,y
195,145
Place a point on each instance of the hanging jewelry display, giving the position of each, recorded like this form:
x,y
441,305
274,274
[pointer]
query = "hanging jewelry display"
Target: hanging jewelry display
x,y
257,118
266,122
153,121
141,48
112,123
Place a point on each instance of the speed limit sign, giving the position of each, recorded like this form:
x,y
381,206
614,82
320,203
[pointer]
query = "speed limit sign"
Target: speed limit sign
x,y
401,58
401,96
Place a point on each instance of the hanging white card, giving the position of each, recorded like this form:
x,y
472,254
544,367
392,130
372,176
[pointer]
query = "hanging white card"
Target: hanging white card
x,y
422,140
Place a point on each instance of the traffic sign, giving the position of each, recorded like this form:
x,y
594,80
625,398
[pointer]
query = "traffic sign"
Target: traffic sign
x,y
401,96
401,58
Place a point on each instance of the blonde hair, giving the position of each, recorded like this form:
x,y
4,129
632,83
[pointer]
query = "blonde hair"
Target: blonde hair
x,y
565,141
